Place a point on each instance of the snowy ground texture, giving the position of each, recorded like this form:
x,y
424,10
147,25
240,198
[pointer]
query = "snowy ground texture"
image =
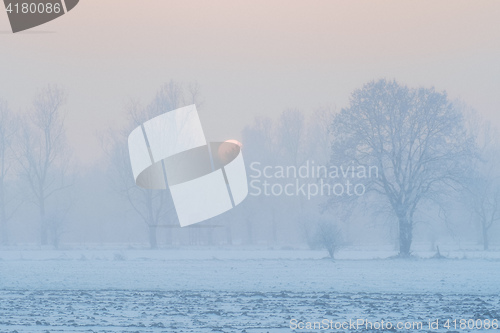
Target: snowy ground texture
x,y
238,291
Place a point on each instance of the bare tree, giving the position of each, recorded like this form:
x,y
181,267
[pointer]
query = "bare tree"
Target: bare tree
x,y
271,144
484,202
317,149
415,137
319,136
329,237
482,195
289,141
44,157
151,206
291,135
260,145
154,207
8,127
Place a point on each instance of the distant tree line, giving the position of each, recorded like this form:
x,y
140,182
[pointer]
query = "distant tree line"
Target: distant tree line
x,y
436,161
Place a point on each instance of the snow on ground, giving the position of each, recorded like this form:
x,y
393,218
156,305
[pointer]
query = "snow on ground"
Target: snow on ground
x,y
239,270
229,290
189,311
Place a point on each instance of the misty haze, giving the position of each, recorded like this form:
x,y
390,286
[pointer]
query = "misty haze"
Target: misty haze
x,y
369,134
400,184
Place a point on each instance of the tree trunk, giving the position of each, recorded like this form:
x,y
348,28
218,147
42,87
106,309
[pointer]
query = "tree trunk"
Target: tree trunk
x,y
210,236
331,252
405,235
4,239
275,228
486,243
229,236
168,236
44,232
249,235
3,221
152,237
55,238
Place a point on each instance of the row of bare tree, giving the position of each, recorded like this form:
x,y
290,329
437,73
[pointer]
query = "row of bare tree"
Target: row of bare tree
x,y
437,163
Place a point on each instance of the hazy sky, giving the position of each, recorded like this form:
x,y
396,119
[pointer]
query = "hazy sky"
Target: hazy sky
x,y
250,58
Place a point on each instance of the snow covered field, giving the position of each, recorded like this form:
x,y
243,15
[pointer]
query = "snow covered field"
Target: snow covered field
x,y
236,290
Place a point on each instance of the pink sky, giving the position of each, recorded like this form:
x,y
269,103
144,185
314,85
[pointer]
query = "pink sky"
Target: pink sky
x,y
250,58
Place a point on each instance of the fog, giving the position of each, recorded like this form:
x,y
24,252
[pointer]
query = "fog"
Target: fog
x,y
306,171
369,132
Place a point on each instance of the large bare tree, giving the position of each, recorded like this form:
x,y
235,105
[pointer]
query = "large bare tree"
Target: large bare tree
x,y
415,137
44,158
